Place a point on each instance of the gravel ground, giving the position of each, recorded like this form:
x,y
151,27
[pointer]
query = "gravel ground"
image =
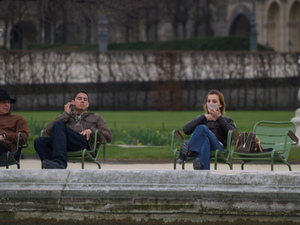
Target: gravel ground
x,y
153,165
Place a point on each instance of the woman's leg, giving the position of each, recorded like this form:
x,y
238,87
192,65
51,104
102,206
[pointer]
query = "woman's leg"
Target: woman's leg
x,y
203,141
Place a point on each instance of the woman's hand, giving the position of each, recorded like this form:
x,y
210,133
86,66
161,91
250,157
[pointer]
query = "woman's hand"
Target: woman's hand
x,y
214,114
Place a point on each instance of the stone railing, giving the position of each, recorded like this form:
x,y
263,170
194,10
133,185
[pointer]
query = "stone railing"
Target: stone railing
x,y
87,67
152,80
148,197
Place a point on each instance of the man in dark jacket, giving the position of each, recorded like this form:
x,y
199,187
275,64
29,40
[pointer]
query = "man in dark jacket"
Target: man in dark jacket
x,y
10,125
72,130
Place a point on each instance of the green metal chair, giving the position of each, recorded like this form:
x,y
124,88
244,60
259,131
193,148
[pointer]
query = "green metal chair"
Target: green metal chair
x,y
215,156
13,158
273,135
90,155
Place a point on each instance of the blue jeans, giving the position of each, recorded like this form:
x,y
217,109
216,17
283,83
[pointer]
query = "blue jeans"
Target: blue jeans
x,y
63,140
203,141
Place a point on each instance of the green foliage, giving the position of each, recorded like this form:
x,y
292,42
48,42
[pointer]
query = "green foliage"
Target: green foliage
x,y
140,137
117,152
35,128
230,43
196,44
61,47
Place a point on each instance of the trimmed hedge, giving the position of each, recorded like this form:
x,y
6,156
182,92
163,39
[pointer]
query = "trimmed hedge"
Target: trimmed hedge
x,y
199,44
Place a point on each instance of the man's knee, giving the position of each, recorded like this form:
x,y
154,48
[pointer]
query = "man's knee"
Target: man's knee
x,y
38,141
58,125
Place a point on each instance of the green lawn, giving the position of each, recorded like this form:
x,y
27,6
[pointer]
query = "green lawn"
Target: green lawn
x,y
166,121
162,121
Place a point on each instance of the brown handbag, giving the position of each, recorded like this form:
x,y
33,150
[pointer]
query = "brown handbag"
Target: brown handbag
x,y
248,142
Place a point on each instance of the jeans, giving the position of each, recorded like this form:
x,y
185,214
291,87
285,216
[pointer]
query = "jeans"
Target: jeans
x,y
63,140
203,141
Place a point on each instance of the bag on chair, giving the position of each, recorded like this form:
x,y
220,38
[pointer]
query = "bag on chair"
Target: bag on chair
x,y
248,142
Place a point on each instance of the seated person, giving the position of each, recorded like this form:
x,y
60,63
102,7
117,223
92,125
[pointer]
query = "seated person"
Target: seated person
x,y
10,125
72,130
209,131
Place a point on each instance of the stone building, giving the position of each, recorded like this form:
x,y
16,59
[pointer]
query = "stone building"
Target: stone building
x,y
277,22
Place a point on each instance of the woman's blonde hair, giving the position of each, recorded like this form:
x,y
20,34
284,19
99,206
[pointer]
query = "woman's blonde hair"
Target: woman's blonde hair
x,y
221,98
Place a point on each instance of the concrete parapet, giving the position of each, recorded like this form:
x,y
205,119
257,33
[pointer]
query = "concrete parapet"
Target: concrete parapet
x,y
148,196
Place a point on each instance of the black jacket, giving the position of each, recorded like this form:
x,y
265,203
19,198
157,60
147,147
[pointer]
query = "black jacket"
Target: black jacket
x,y
220,127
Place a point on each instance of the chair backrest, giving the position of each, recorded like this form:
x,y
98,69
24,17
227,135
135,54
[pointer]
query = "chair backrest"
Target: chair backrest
x,y
176,140
99,141
274,134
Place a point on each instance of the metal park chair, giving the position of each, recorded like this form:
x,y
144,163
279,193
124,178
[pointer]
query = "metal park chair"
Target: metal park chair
x,y
87,155
215,156
13,158
277,136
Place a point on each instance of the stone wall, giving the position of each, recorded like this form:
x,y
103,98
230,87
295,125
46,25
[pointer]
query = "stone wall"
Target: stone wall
x,y
148,197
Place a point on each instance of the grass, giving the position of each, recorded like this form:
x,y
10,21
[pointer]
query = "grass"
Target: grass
x,y
163,121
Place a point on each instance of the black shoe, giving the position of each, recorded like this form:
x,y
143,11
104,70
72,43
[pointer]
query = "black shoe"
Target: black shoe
x,y
183,152
49,164
198,164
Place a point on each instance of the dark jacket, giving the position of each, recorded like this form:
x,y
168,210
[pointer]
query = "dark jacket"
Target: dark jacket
x,y
93,121
220,127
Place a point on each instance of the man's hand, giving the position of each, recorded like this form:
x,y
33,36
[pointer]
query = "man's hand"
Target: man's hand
x,y
68,107
86,133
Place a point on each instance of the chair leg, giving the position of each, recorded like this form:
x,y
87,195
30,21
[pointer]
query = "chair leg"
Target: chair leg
x,y
174,161
104,153
99,166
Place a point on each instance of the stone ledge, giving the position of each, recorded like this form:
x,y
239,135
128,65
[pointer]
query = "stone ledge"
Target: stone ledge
x,y
163,194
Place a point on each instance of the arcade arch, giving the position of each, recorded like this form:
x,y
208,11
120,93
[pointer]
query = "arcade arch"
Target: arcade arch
x,y
272,25
240,27
294,27
22,34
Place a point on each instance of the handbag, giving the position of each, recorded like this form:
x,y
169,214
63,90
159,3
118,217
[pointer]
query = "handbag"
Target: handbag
x,y
248,143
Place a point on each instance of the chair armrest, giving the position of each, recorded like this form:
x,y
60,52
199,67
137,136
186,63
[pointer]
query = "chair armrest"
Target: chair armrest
x,y
294,138
178,135
44,133
21,141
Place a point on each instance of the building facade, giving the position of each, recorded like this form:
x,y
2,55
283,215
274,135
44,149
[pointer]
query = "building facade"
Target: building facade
x,y
276,22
